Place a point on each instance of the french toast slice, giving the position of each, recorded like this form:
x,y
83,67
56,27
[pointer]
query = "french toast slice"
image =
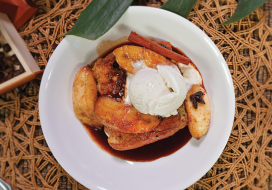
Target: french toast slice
x,y
167,127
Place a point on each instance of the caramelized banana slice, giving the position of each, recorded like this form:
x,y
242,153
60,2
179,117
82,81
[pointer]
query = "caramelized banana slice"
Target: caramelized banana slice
x,y
123,117
128,55
84,95
198,112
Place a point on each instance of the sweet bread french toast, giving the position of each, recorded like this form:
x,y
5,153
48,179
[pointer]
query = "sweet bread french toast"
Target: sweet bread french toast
x,y
167,127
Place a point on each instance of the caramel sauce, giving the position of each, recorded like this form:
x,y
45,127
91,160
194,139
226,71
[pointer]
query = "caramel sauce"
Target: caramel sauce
x,y
147,153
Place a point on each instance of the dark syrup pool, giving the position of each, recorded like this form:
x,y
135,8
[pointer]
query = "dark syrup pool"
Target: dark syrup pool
x,y
147,153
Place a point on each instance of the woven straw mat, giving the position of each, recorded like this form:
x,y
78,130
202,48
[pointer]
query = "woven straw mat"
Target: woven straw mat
x,y
246,163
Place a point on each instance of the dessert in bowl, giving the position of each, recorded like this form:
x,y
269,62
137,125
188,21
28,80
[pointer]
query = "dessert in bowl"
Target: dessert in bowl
x,y
94,168
141,93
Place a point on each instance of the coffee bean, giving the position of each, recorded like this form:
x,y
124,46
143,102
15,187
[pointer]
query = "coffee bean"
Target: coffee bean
x,y
2,55
8,61
9,76
2,65
16,73
9,69
22,70
13,58
16,63
2,80
6,48
2,75
10,66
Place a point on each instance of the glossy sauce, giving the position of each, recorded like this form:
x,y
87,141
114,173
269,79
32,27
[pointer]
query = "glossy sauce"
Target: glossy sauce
x,y
147,153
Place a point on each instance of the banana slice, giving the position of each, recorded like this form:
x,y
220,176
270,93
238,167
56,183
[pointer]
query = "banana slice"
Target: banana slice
x,y
198,118
84,96
128,57
123,117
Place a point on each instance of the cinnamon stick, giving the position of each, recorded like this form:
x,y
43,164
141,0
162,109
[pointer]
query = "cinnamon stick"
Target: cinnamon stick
x,y
166,45
140,40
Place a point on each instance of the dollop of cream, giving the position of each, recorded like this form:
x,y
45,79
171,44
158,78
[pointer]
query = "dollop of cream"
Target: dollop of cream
x,y
190,74
158,91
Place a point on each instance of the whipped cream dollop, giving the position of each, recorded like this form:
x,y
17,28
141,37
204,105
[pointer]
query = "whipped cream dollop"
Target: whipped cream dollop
x,y
190,74
158,91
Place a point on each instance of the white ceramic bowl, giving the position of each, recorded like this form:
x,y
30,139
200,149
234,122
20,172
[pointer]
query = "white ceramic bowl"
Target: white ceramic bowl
x,y
96,169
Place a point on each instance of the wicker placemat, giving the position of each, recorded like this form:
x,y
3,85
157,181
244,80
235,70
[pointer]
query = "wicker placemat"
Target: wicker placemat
x,y
246,163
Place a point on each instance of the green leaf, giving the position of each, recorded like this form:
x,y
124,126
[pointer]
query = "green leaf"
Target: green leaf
x,y
98,17
244,8
180,7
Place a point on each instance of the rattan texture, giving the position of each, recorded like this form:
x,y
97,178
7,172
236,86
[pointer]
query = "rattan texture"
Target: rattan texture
x,y
246,162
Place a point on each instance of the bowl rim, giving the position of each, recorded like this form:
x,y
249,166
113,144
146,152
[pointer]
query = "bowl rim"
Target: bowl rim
x,y
131,9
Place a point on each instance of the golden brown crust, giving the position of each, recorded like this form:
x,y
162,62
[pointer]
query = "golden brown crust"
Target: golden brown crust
x,y
126,141
129,54
111,79
84,96
123,117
